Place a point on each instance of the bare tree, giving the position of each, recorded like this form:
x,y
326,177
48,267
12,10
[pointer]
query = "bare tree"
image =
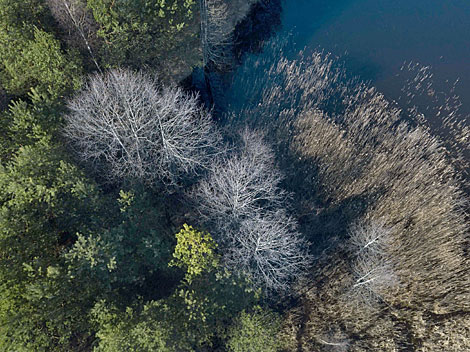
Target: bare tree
x,y
139,129
268,248
370,236
372,267
240,185
218,20
78,23
216,32
334,340
242,203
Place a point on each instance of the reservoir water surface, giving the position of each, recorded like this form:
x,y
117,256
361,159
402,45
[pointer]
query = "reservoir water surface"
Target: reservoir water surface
x,y
375,38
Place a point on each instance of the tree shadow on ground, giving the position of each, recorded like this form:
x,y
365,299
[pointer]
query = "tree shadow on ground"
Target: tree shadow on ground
x,y
320,219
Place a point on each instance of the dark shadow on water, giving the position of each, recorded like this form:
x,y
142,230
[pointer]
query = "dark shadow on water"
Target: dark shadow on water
x,y
263,21
250,34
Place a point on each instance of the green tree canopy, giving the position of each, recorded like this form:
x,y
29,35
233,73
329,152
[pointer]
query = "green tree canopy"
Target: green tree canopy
x,y
44,201
256,331
148,33
31,58
134,329
190,317
14,13
194,252
131,250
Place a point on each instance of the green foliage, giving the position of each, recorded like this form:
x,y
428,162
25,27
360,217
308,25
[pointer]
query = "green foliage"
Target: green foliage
x,y
204,307
32,58
26,126
144,33
208,296
30,55
44,200
91,258
195,252
255,331
16,13
188,319
196,298
131,330
41,196
44,312
133,249
27,123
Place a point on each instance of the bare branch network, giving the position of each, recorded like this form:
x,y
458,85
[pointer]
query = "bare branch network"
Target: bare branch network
x,y
216,32
242,201
268,247
77,20
139,129
240,185
335,340
372,268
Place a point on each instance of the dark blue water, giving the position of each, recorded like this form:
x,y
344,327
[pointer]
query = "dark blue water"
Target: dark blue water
x,y
375,37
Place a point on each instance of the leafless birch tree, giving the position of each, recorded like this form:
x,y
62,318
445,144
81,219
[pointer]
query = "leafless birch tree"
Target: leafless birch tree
x,y
243,205
218,21
372,267
78,23
240,185
334,340
216,32
139,129
268,247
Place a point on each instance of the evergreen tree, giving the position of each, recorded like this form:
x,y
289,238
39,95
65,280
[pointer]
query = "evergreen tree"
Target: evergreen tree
x,y
31,58
44,201
153,34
